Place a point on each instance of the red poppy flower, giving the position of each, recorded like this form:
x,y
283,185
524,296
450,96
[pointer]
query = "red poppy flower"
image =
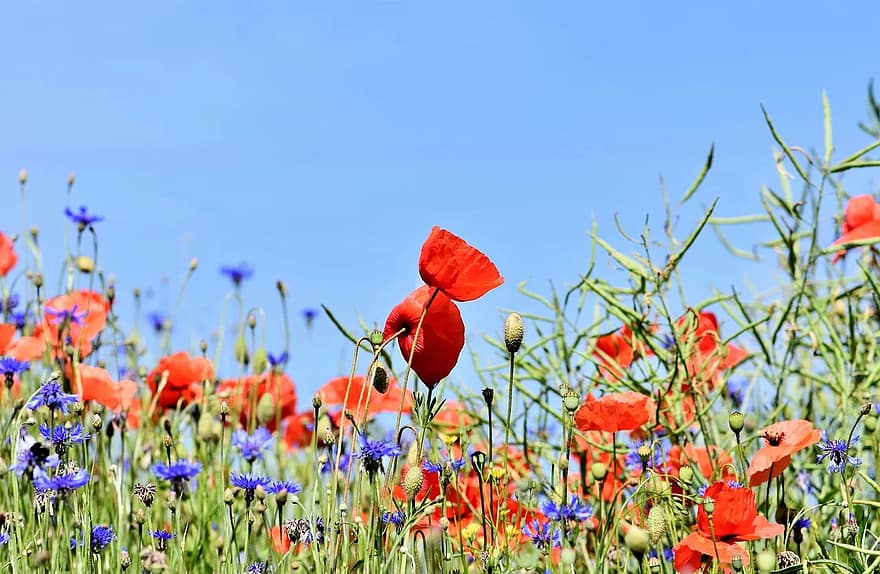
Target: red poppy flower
x,y
245,393
861,220
707,357
441,337
280,541
617,351
614,412
185,377
21,349
333,393
734,519
96,384
704,459
461,271
7,254
76,319
783,440
300,428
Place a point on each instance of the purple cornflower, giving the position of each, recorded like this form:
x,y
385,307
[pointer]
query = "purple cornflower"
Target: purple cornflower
x,y
397,518
280,360
82,218
162,537
66,316
4,538
634,460
157,321
7,304
62,483
455,464
178,473
837,453
237,273
545,536
701,492
62,437
249,483
10,367
736,390
102,536
33,456
309,315
252,446
372,452
330,462
575,509
278,485
50,395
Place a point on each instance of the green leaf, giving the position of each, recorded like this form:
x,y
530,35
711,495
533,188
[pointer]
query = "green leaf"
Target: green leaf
x,y
700,177
784,146
826,112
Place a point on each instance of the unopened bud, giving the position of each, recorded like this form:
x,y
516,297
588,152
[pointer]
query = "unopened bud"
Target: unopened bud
x,y
637,540
656,523
685,474
599,471
282,288
71,179
488,396
266,409
224,409
228,496
22,176
97,422
513,332
766,561
737,421
317,402
193,264
379,378
413,481
85,264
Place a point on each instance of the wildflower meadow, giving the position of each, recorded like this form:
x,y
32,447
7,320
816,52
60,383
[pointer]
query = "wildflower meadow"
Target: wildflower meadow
x,y
626,427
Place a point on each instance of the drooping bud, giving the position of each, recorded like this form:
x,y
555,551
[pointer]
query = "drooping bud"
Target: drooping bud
x,y
413,481
379,378
85,264
513,332
656,523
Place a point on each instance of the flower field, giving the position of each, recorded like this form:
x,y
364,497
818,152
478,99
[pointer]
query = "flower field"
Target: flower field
x,y
623,428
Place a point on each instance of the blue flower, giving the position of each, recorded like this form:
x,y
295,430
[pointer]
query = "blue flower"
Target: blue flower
x,y
238,273
278,485
279,360
455,464
372,452
634,461
82,218
837,453
4,538
575,509
252,446
178,473
157,320
736,390
10,366
62,436
544,536
309,315
7,304
66,316
258,568
33,456
249,483
330,462
701,492
802,523
50,395
20,319
61,483
397,518
102,536
163,535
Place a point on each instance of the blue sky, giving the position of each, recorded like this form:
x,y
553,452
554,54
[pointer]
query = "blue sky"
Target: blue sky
x,y
321,141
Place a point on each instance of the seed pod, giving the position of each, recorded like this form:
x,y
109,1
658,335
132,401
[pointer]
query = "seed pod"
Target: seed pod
x,y
413,481
656,523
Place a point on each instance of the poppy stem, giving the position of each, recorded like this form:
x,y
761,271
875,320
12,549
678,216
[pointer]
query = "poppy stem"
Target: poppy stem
x,y
767,491
509,409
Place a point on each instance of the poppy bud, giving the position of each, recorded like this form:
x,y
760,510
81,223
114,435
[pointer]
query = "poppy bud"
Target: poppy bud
x,y
637,540
444,524
656,486
140,516
22,176
488,396
736,420
571,401
563,462
228,496
766,561
866,409
241,352
513,332
206,429
260,360
871,424
35,233
413,481
656,523
203,346
376,338
709,505
193,264
85,264
252,321
38,280
599,471
379,378
265,409
224,409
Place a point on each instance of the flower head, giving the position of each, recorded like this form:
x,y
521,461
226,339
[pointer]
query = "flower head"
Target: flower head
x,y
278,485
544,535
8,258
837,453
62,483
614,412
184,380
50,395
277,361
82,218
33,457
617,351
251,446
70,316
63,436
177,473
372,452
249,483
461,271
10,367
102,536
575,510
861,221
783,439
237,273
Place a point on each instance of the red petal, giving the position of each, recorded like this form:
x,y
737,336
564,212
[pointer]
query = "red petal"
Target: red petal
x,y
859,211
7,332
614,412
869,230
461,271
8,258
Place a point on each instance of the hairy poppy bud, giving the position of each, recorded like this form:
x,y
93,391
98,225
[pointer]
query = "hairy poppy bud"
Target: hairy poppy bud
x,y
413,481
228,496
599,471
656,523
22,176
193,264
260,360
513,332
85,264
379,378
737,421
637,540
266,409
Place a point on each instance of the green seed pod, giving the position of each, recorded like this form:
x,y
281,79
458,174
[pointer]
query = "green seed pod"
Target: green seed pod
x,y
737,421
599,471
766,561
376,338
571,402
656,523
637,540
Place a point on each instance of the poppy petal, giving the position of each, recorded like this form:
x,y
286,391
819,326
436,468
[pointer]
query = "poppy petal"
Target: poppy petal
x,y
461,271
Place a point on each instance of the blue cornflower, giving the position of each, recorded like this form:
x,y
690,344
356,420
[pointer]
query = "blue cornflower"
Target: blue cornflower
x,y
157,321
309,315
280,360
573,510
736,390
82,218
734,484
802,523
4,538
258,568
456,464
278,485
544,536
69,316
178,473
20,319
397,518
837,453
251,446
372,451
330,462
701,492
102,536
10,367
7,304
50,395
33,456
237,273
249,483
61,436
634,461
61,483
667,341
162,537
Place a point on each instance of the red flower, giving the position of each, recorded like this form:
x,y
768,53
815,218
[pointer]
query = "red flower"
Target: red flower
x,y
783,440
441,337
245,393
734,519
703,459
707,356
614,412
333,393
617,351
185,377
461,271
861,220
7,254
76,318
96,384
21,349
